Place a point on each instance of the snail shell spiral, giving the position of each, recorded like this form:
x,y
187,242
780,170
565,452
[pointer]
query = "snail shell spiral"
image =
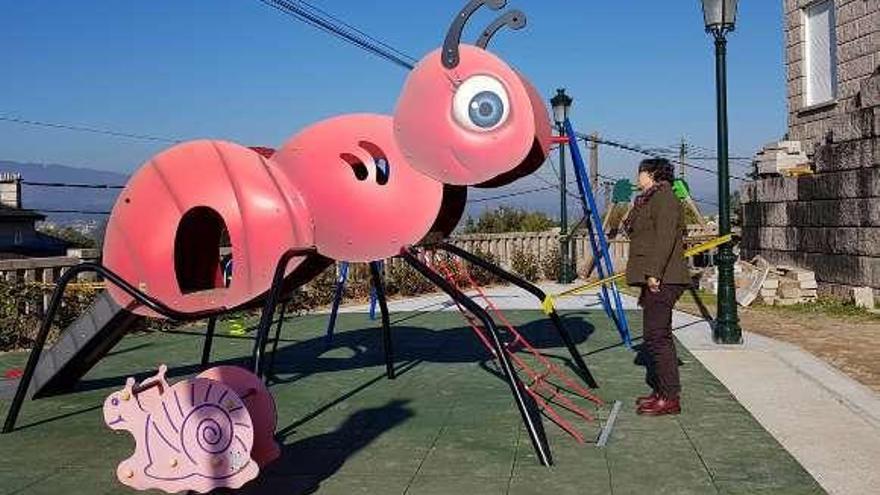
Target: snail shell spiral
x,y
211,427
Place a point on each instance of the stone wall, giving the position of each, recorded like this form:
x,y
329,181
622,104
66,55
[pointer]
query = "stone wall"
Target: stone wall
x,y
858,55
828,222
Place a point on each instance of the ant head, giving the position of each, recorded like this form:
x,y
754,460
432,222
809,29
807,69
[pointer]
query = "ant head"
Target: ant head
x,y
467,118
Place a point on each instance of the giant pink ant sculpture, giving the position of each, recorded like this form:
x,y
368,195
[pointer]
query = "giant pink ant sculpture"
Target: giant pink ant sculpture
x,y
352,188
358,188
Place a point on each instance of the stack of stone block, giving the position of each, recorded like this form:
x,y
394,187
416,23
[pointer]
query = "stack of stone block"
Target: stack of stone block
x,y
828,222
776,158
786,286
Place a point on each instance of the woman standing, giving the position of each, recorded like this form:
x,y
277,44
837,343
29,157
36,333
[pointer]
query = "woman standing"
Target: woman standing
x,y
656,265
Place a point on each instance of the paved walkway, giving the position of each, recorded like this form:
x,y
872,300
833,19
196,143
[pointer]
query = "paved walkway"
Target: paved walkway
x,y
827,421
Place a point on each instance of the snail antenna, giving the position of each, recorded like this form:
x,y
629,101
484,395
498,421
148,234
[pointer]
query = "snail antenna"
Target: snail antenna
x,y
515,20
450,55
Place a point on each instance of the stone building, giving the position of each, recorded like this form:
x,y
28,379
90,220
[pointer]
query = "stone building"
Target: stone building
x,y
829,219
18,235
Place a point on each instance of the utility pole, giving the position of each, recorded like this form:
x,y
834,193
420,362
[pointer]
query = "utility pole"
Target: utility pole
x,y
594,161
682,156
608,185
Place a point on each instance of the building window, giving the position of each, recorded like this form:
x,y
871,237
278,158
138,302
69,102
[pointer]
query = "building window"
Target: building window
x,y
18,237
820,53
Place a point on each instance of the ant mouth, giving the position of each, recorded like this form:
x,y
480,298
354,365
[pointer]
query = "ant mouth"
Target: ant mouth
x,y
529,165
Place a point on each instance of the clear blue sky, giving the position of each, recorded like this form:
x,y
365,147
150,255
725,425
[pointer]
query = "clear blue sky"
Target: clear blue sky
x,y
639,70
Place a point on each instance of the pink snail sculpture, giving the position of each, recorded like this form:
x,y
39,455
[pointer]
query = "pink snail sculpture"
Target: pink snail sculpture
x,y
198,434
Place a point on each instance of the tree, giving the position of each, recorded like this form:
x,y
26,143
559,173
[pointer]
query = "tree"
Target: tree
x,y
75,238
509,219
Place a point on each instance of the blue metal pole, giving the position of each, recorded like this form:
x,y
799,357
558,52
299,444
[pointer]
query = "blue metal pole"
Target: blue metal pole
x,y
602,257
373,299
337,300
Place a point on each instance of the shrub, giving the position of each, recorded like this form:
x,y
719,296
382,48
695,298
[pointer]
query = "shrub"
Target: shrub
x,y
407,281
357,287
21,311
483,277
550,264
525,264
317,292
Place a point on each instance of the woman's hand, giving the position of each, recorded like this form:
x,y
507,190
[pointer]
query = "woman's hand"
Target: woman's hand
x,y
653,284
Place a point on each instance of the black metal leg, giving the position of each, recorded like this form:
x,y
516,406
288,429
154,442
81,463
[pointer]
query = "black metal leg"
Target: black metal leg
x,y
531,419
270,371
539,294
34,357
379,286
259,354
572,349
209,340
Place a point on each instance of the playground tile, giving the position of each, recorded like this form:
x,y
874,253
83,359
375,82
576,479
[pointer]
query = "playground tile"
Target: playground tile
x,y
464,482
445,425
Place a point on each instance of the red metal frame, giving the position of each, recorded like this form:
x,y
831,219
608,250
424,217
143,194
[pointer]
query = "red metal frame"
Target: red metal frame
x,y
539,387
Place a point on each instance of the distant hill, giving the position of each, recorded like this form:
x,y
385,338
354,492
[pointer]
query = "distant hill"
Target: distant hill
x,y
56,198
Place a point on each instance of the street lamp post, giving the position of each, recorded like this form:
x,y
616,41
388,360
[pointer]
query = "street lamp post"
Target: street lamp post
x,y
720,19
561,104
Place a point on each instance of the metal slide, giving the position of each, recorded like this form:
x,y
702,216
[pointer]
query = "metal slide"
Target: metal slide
x,y
81,346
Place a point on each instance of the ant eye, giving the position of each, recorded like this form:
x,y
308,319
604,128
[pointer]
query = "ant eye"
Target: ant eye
x,y
357,166
480,104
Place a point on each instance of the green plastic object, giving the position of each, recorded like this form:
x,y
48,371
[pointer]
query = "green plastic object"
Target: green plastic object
x,y
622,192
681,189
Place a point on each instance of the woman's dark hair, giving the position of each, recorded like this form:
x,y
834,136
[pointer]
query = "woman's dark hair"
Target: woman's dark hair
x,y
659,168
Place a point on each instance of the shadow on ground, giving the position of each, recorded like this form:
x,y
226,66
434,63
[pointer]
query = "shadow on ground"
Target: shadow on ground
x,y
362,348
306,463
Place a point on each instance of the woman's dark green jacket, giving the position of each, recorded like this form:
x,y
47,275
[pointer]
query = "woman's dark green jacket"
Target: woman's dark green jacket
x,y
656,247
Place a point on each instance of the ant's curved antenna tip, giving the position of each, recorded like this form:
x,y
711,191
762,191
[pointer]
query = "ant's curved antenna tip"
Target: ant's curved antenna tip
x,y
450,55
515,20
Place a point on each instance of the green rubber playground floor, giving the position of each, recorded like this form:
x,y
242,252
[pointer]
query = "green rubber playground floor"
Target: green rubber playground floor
x,y
446,425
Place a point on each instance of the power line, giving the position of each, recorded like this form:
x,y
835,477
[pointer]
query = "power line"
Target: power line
x,y
358,31
335,27
513,194
520,193
556,186
74,185
83,128
643,151
81,212
704,201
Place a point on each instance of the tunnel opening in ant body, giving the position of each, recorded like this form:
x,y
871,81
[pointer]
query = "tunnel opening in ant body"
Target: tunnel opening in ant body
x,y
198,250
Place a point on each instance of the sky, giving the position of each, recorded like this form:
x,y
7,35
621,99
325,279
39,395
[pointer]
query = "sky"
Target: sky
x,y
640,71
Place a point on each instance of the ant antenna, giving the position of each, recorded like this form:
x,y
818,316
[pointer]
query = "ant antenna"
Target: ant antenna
x,y
515,19
453,36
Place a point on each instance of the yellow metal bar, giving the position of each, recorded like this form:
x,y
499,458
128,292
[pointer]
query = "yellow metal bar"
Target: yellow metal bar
x,y
706,246
690,253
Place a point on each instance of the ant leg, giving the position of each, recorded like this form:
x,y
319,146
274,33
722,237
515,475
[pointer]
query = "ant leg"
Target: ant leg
x,y
270,371
209,340
539,294
379,286
526,405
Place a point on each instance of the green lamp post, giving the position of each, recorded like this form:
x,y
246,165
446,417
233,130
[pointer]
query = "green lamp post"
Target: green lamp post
x,y
720,19
561,104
